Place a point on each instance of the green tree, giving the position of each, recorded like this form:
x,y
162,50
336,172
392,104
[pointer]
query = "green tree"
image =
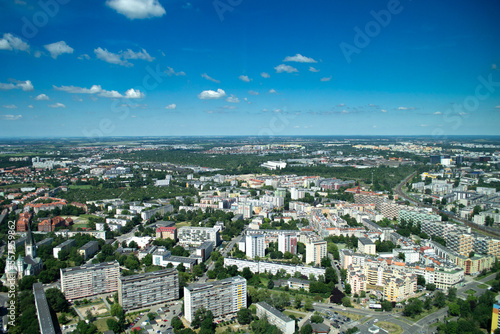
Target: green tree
x,y
298,301
55,298
331,275
116,310
270,284
308,305
420,280
347,289
452,294
307,329
244,316
317,318
454,309
346,301
177,324
431,287
114,325
386,305
439,299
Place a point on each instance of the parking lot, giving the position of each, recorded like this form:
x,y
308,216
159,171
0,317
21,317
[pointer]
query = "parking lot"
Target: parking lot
x,y
163,318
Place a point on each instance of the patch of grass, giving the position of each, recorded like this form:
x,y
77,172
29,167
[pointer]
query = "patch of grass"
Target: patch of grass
x,y
483,286
471,292
101,324
294,313
390,327
182,224
353,316
83,186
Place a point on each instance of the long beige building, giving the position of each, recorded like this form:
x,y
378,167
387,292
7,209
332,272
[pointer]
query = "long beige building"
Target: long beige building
x,y
139,291
221,297
90,280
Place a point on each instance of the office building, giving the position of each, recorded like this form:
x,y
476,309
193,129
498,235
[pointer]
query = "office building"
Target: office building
x,y
165,232
315,251
255,245
90,280
284,323
144,290
222,297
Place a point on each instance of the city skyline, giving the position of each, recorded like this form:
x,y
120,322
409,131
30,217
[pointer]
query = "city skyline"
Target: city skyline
x,y
157,68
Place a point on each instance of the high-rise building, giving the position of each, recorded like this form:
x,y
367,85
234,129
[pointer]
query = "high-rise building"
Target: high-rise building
x,y
315,251
89,280
139,291
255,245
287,243
495,319
222,297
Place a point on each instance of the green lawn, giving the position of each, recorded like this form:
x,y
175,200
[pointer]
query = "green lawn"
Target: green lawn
x,y
83,186
470,291
483,286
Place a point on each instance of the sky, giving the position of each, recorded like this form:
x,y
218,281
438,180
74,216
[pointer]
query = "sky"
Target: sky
x,y
102,68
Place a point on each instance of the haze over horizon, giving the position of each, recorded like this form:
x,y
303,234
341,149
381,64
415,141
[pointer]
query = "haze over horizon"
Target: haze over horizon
x,y
194,68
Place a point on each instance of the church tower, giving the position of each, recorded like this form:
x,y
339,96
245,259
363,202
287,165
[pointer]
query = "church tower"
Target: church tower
x,y
30,246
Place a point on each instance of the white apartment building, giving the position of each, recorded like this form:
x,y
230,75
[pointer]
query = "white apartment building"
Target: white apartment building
x,y
315,251
255,245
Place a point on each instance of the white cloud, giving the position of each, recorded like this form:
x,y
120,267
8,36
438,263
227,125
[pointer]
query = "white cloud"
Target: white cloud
x,y
211,94
96,89
206,76
134,94
497,107
79,90
84,56
244,78
383,110
232,99
10,106
312,69
10,117
437,113
171,106
57,105
58,48
424,125
272,91
252,92
109,57
37,54
406,108
42,97
137,9
30,106
285,68
143,54
10,42
122,57
265,75
16,84
170,71
326,79
298,58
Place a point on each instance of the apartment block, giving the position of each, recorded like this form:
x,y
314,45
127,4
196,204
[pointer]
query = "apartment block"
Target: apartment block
x,y
460,243
284,323
65,245
195,236
90,280
315,251
417,216
222,297
366,246
144,290
272,267
89,249
287,243
42,310
255,245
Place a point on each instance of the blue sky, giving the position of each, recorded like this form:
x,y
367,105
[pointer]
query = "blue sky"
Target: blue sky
x,y
249,67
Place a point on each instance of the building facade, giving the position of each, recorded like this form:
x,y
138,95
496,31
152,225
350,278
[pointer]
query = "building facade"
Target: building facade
x,y
284,323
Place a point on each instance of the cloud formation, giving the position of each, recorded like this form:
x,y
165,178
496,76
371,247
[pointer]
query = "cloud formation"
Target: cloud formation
x,y
170,71
244,78
285,68
96,89
252,92
137,9
171,106
312,69
206,76
58,48
11,42
57,105
232,99
122,57
326,79
16,84
10,106
42,97
211,94
298,58
265,75
10,117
